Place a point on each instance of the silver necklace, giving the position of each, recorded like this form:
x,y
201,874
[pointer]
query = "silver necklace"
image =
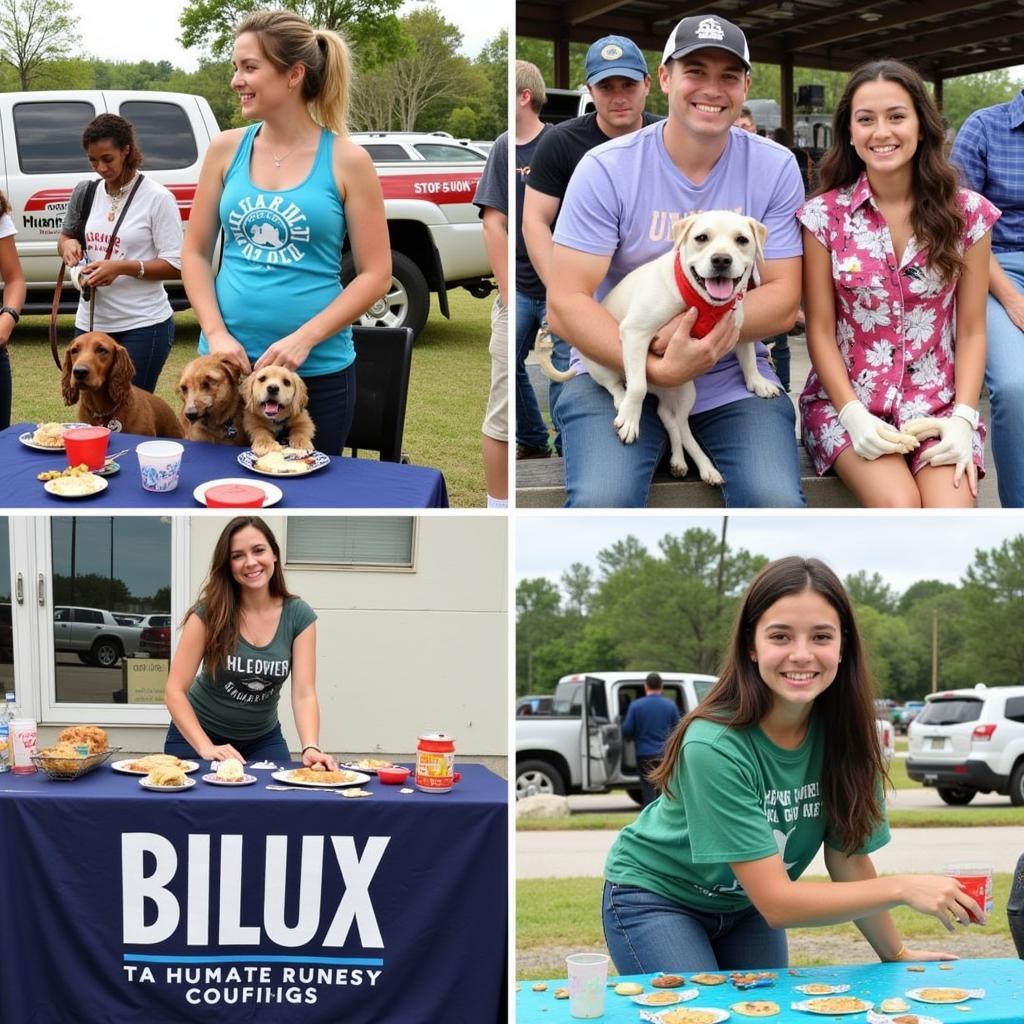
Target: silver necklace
x,y
278,160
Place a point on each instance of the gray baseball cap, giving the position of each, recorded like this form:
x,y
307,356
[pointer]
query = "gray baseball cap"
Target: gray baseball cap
x,y
704,31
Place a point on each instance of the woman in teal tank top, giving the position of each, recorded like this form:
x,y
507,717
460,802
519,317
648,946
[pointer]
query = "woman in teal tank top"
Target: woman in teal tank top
x,y
287,191
244,637
780,758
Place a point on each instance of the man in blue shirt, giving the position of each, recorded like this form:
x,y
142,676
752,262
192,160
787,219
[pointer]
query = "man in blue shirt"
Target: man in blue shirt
x,y
648,722
989,150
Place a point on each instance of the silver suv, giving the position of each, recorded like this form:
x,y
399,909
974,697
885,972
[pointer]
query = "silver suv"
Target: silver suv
x,y
95,635
969,741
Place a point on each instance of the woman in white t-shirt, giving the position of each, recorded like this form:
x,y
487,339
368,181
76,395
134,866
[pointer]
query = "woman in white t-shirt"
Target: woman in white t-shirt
x,y
130,302
13,296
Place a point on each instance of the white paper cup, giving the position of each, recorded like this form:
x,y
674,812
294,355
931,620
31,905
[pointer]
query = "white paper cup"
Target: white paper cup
x,y
588,977
159,464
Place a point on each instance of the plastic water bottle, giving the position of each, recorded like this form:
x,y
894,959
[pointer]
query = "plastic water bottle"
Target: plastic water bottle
x,y
7,712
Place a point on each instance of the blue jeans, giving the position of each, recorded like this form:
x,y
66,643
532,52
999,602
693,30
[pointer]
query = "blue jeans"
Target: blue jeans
x,y
5,389
752,441
332,406
779,346
1004,378
531,430
646,932
560,356
268,747
149,348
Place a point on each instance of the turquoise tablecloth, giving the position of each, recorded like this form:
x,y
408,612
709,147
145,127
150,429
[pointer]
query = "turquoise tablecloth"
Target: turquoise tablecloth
x,y
1003,981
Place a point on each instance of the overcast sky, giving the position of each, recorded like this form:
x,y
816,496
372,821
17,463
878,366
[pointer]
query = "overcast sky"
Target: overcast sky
x,y
133,30
901,548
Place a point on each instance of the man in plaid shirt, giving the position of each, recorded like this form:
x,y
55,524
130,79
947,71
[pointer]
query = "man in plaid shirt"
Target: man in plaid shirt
x,y
989,149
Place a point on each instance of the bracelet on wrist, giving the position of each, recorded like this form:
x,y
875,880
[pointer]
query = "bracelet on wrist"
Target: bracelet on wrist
x,y
11,312
900,954
311,746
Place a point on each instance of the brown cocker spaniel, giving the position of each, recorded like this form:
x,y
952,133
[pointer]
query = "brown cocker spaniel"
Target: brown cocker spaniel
x,y
97,374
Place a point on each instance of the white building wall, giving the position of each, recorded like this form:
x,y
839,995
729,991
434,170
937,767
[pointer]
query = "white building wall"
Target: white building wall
x,y
404,652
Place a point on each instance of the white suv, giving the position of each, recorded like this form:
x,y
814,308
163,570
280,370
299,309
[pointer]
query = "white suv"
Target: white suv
x,y
969,741
435,147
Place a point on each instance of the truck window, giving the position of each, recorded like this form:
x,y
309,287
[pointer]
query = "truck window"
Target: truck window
x,y
380,152
49,136
598,703
1015,709
164,134
447,153
88,615
701,687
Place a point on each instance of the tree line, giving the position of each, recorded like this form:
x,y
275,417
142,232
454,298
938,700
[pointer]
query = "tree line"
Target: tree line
x,y
409,73
960,96
673,610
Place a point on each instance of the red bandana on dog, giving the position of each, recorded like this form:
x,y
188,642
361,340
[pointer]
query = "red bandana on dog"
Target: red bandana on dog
x,y
707,315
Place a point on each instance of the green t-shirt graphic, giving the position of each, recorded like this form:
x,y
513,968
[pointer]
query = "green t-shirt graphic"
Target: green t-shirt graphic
x,y
737,797
241,702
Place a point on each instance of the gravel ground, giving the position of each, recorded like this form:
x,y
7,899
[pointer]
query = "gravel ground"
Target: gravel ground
x,y
847,948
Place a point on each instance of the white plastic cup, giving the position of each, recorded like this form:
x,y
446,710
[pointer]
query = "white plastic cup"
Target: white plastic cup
x,y
588,978
159,464
976,879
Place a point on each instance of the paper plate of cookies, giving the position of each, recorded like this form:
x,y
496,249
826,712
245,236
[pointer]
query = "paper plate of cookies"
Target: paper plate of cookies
x,y
901,1018
758,1008
665,997
834,1006
686,1015
945,995
818,989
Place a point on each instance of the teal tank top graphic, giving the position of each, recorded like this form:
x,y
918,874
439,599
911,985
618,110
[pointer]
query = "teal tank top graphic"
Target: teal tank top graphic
x,y
282,258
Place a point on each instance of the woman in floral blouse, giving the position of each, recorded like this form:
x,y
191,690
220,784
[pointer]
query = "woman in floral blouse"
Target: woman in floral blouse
x,y
895,282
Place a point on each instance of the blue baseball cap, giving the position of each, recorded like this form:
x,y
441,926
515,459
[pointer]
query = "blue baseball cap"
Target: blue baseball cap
x,y
615,55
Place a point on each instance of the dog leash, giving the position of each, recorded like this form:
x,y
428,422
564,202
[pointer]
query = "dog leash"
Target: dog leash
x,y
59,286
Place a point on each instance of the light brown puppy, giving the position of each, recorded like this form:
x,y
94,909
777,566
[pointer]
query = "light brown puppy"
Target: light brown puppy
x,y
275,414
211,404
97,374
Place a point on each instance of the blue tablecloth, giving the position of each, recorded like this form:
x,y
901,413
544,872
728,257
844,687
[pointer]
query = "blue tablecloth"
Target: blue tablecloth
x,y
1003,981
345,483
125,906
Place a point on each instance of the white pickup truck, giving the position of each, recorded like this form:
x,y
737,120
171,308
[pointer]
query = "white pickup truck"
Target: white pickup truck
x,y
436,233
579,746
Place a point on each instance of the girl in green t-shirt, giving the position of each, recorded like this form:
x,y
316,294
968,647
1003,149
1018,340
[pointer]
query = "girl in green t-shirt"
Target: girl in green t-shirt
x,y
780,757
239,643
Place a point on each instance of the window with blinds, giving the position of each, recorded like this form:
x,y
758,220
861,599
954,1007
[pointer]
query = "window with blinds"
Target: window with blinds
x,y
351,540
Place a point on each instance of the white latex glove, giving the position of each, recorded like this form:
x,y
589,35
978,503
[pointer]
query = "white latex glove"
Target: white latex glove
x,y
871,436
955,448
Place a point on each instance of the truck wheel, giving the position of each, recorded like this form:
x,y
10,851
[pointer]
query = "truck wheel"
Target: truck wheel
x,y
106,653
1017,785
407,302
957,797
85,657
538,778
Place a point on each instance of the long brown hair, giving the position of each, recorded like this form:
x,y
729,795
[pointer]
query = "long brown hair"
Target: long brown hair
x,y
935,216
845,711
5,206
219,596
288,39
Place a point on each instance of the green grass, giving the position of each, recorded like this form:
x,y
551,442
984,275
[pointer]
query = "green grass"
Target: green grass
x,y
451,373
566,912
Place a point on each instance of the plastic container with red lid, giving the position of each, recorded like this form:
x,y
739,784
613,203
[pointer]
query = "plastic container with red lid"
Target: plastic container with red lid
x,y
234,496
87,445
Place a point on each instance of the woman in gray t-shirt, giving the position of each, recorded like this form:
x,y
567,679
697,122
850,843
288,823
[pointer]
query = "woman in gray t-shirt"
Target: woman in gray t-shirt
x,y
239,643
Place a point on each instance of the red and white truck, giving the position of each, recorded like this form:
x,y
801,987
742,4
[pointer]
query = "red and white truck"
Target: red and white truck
x,y
436,233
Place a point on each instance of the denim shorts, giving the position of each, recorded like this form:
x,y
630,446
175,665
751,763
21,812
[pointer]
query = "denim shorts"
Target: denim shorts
x,y
646,932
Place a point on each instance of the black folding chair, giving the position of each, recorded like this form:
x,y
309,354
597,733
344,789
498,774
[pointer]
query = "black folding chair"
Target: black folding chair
x,y
383,359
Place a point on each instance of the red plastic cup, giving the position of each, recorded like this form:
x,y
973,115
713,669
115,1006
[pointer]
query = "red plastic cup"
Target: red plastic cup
x,y
976,880
393,776
234,496
86,445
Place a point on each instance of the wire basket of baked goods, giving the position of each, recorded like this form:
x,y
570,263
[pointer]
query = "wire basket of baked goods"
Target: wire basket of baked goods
x,y
78,750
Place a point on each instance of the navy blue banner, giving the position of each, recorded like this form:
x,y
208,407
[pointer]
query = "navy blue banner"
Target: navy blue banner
x,y
240,905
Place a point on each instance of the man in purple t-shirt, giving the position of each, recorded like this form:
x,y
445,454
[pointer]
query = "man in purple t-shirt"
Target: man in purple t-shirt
x,y
617,214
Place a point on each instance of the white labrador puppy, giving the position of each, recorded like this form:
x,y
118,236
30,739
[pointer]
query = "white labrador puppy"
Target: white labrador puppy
x,y
713,258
